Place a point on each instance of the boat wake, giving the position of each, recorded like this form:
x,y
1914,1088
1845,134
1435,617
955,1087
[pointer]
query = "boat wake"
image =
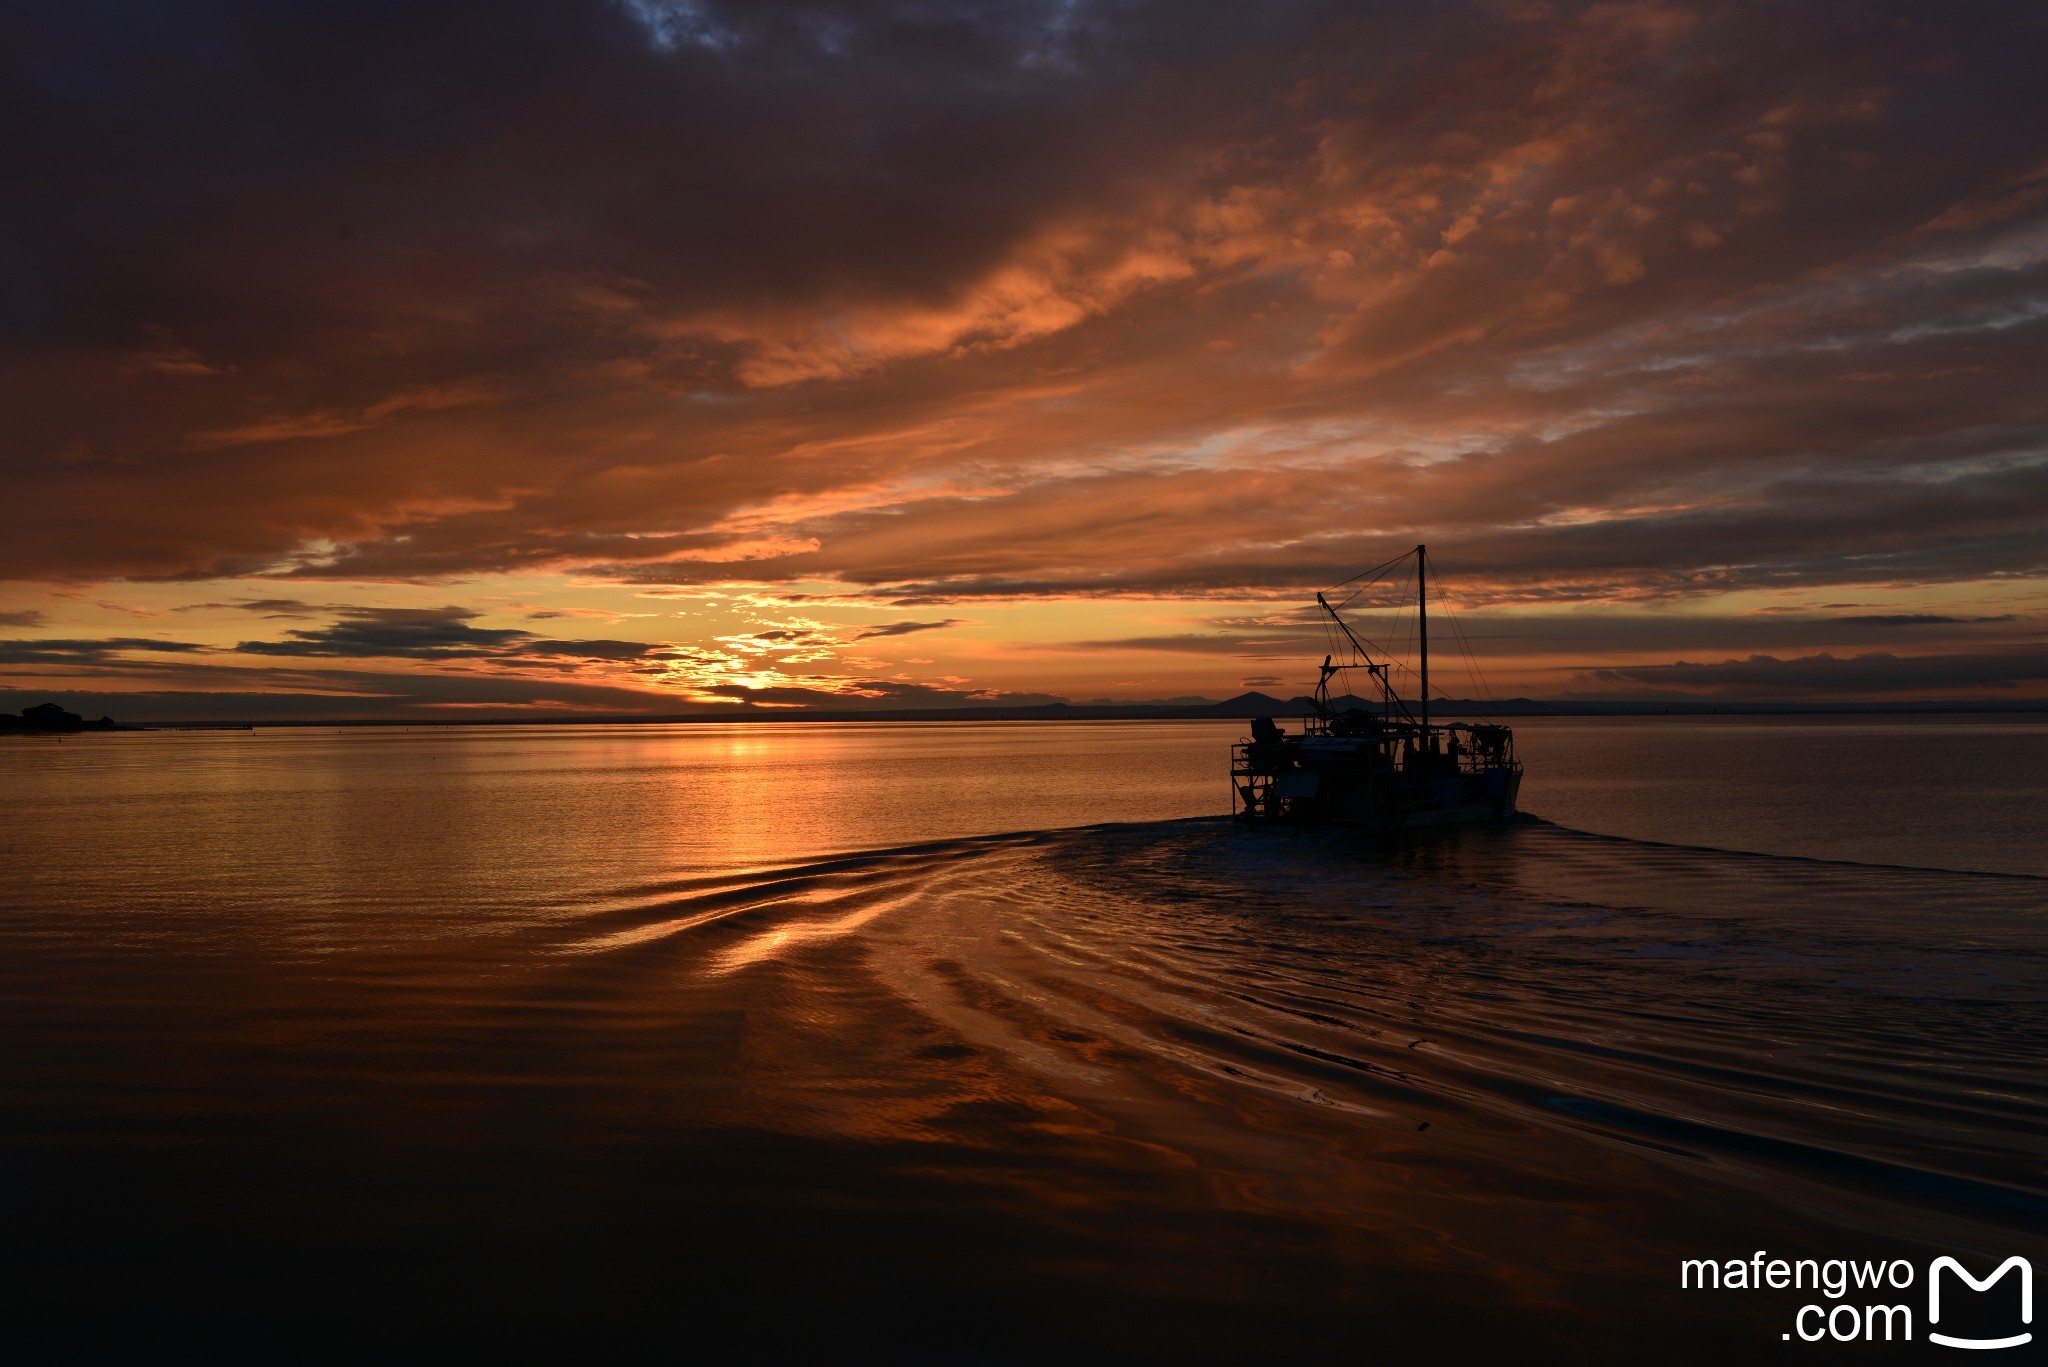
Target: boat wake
x,y
1296,1012
1186,1090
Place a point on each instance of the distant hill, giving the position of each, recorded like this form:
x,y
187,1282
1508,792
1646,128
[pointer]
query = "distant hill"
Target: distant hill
x,y
1263,705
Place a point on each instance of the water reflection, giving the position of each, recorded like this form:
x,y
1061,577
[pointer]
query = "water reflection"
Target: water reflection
x,y
478,1042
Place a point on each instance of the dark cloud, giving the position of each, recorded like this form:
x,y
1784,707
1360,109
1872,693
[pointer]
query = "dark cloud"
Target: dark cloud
x,y
284,609
22,617
1857,676
1508,639
907,628
436,634
100,651
1921,619
281,607
419,633
590,650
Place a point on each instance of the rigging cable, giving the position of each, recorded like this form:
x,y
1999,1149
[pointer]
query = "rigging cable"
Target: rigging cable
x,y
1376,573
1471,656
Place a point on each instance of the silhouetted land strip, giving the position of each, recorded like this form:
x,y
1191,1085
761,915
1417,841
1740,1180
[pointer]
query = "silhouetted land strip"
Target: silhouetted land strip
x,y
1241,708
50,719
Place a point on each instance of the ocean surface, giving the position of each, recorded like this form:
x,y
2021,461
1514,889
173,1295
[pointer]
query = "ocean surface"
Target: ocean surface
x,y
997,1043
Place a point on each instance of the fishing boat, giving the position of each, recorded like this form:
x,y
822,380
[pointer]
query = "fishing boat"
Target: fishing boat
x,y
1386,767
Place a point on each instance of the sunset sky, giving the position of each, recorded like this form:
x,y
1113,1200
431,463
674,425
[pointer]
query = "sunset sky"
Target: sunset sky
x,y
440,360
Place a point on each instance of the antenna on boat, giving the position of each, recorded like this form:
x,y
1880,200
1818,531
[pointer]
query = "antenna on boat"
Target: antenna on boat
x,y
1422,622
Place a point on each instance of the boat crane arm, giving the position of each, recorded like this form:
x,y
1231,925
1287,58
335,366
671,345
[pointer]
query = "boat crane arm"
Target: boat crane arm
x,y
1344,627
1377,670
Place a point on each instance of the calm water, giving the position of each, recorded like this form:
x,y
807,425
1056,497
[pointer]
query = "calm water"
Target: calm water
x,y
989,1043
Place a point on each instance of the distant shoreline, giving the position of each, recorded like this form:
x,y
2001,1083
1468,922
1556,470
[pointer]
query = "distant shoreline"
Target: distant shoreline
x,y
1516,710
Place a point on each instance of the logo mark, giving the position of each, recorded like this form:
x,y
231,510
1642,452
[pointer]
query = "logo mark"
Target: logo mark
x,y
2026,1300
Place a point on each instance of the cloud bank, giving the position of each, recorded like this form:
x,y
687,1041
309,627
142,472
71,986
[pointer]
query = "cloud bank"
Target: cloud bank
x,y
1631,306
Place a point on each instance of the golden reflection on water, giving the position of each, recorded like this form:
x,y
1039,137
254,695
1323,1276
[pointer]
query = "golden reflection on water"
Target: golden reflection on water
x,y
769,944
728,1002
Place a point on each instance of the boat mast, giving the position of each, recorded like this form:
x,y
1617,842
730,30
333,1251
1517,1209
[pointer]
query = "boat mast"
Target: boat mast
x,y
1422,622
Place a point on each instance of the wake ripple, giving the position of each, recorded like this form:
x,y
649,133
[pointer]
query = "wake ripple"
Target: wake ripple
x,y
1859,1039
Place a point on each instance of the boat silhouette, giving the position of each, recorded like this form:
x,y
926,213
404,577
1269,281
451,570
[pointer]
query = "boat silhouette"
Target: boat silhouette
x,y
1385,769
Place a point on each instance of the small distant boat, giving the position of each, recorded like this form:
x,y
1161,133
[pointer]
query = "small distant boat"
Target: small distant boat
x,y
1386,769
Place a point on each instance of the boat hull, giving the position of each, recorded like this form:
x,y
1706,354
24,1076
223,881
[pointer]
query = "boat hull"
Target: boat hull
x,y
1420,810
1307,790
